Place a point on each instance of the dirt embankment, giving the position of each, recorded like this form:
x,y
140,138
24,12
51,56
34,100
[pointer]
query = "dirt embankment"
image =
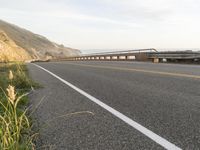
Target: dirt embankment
x,y
9,51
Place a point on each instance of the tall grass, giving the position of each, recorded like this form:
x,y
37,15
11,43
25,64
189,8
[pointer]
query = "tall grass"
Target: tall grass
x,y
15,128
21,78
14,123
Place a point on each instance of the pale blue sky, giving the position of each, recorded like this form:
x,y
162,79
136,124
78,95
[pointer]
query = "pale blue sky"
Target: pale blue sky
x,y
109,24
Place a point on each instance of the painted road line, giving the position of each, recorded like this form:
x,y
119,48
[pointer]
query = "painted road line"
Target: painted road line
x,y
158,139
140,70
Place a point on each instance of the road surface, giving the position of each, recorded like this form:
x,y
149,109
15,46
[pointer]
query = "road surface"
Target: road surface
x,y
162,98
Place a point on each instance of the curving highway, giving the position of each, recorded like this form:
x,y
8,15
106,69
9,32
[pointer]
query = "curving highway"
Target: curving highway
x,y
122,105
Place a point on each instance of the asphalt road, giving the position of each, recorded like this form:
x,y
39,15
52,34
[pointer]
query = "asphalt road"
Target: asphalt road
x,y
164,98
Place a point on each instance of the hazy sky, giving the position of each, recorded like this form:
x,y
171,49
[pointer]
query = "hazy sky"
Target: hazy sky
x,y
109,24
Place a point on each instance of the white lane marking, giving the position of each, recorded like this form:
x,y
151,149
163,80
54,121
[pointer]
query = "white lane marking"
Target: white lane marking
x,y
158,139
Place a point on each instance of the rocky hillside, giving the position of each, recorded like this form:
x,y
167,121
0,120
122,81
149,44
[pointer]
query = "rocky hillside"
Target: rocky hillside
x,y
19,44
10,51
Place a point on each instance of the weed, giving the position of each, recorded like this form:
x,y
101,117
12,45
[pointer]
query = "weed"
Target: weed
x,y
15,127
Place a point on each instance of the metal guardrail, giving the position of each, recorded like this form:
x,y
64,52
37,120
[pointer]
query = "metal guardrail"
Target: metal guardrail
x,y
175,55
150,54
123,52
137,54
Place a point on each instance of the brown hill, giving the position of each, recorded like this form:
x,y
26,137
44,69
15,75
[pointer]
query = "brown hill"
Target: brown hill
x,y
20,44
10,51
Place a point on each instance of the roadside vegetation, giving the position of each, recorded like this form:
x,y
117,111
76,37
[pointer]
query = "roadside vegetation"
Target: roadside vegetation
x,y
15,124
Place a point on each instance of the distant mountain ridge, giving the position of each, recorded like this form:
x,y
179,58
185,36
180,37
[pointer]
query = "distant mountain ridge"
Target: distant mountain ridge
x,y
25,45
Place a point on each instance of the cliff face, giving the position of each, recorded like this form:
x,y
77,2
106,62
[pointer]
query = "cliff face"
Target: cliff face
x,y
20,44
9,51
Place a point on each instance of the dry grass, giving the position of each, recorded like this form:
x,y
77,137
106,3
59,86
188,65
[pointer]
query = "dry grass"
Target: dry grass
x,y
15,127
